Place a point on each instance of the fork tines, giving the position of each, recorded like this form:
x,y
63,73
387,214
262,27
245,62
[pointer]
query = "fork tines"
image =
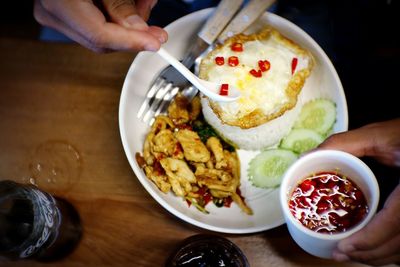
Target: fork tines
x,y
160,94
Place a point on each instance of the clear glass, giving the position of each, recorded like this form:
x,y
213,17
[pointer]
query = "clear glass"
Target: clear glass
x,y
206,250
35,224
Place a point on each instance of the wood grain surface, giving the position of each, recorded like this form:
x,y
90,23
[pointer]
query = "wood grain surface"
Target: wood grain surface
x,y
59,129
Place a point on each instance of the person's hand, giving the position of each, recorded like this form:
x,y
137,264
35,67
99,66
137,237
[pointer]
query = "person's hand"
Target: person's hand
x,y
103,25
379,242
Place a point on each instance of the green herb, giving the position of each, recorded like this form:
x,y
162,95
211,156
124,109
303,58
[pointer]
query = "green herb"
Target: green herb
x,y
199,207
219,202
205,131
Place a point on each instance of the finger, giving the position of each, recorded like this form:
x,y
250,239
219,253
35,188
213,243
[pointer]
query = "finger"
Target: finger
x,y
45,18
338,256
387,250
159,33
118,38
350,142
378,140
100,34
124,13
383,227
386,261
144,8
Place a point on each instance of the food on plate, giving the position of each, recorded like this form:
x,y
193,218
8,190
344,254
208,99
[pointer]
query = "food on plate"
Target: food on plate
x,y
328,202
267,168
270,71
313,125
318,115
182,154
301,140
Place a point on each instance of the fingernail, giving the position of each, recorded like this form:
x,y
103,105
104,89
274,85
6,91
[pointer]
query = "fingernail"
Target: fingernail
x,y
162,38
150,47
135,22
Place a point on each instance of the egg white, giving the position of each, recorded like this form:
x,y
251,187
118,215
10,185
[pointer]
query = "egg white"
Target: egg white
x,y
267,92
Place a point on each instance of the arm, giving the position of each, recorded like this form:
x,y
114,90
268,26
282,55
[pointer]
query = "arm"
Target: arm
x,y
379,242
108,25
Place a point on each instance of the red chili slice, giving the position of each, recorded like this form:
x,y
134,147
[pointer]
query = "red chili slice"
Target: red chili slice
x,y
233,61
224,89
264,65
294,64
207,197
140,160
307,185
237,47
158,169
178,149
219,61
256,73
227,202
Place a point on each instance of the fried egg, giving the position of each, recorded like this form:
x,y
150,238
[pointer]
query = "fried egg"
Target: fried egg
x,y
265,93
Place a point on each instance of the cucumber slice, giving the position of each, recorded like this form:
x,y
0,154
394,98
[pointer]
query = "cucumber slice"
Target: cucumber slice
x,y
318,115
301,140
267,168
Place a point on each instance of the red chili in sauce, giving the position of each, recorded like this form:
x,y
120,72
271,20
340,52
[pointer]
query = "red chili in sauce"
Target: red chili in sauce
x,y
328,202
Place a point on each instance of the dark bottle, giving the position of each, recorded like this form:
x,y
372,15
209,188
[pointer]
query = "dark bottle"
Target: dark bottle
x,y
36,225
206,250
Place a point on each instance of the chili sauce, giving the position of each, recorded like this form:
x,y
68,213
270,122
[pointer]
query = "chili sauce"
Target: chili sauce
x,y
328,202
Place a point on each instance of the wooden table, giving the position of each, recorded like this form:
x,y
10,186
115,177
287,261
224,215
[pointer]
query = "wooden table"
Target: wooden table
x,y
59,129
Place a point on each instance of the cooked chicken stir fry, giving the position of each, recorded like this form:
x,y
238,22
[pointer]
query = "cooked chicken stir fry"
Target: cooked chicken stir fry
x,y
193,149
175,158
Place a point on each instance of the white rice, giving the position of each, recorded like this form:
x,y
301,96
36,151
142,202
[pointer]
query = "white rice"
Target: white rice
x,y
257,138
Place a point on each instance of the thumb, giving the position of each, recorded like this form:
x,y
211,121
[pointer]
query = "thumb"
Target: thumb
x,y
382,228
125,13
354,142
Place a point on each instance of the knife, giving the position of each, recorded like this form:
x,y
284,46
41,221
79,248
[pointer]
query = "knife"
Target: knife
x,y
247,16
221,26
214,25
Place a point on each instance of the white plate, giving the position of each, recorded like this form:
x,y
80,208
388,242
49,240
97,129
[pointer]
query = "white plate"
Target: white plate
x,y
323,82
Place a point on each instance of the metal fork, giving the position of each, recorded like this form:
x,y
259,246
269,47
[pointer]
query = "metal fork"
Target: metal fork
x,y
169,82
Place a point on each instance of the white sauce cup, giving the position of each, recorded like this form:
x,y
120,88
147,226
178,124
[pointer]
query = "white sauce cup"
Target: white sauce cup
x,y
323,244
